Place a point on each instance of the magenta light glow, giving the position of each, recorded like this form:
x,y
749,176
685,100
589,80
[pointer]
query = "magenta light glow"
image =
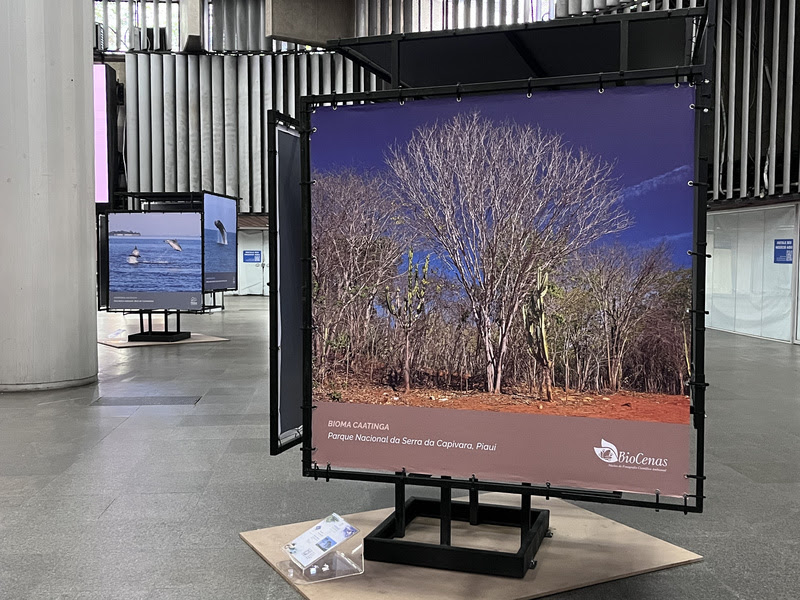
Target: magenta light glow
x,y
101,189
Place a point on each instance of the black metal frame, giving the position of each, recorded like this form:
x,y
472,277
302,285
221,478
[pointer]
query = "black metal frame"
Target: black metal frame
x,y
348,46
151,335
277,442
696,75
191,201
383,543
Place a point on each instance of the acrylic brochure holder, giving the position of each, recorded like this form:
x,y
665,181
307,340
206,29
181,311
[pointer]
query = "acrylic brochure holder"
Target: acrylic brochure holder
x,y
328,550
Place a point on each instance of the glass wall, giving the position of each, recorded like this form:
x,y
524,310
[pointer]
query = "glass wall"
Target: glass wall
x,y
750,274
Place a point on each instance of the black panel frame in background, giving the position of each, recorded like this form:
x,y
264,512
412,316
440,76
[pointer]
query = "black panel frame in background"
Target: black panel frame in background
x,y
279,441
696,75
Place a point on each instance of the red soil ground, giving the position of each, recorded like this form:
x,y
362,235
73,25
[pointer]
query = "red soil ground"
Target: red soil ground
x,y
630,406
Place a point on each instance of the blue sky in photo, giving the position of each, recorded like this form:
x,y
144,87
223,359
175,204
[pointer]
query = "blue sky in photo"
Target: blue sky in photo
x,y
647,131
157,224
219,208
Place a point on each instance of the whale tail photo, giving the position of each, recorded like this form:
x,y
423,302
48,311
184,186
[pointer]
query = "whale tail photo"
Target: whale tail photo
x,y
222,234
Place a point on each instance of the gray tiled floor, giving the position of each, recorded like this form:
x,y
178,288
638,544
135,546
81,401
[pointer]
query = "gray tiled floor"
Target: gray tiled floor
x,y
147,502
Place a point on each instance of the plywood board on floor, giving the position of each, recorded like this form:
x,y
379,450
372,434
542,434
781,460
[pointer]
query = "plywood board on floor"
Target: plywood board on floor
x,y
586,549
197,338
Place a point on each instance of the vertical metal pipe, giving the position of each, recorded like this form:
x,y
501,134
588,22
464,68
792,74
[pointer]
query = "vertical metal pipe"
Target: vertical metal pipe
x,y
787,125
372,15
326,73
218,121
145,141
229,36
169,24
143,25
349,67
244,133
241,16
206,125
385,26
718,103
314,74
268,86
408,16
732,78
132,122
361,18
744,160
194,127
267,103
105,24
156,25
397,18
278,82
157,120
773,115
255,133
762,20
182,122
217,25
170,108
338,73
118,25
253,29
291,85
231,146
262,30
131,26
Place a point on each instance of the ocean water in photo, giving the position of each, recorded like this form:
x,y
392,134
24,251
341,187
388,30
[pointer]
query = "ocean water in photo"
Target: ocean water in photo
x,y
158,267
220,257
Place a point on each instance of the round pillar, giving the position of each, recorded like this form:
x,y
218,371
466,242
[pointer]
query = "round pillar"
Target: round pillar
x,y
48,322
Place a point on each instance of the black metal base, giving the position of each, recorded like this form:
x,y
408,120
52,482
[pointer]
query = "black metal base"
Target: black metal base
x,y
160,336
383,544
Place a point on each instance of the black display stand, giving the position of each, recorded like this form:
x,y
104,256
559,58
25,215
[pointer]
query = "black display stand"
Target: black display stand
x,y
149,335
384,543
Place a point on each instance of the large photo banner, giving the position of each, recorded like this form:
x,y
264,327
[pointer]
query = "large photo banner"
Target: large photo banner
x,y
501,287
155,261
219,242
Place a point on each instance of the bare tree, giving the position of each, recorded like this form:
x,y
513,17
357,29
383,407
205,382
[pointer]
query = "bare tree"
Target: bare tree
x,y
357,244
623,283
503,203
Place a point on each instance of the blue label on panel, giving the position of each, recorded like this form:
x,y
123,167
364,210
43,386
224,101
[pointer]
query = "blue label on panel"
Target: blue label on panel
x,y
253,256
784,249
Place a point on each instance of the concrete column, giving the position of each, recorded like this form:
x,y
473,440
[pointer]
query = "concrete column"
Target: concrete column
x,y
48,324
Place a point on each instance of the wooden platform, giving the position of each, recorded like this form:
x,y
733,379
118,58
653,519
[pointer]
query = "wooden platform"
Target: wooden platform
x,y
586,549
197,338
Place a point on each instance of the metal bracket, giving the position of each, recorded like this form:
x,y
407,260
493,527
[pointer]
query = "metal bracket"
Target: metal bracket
x,y
693,253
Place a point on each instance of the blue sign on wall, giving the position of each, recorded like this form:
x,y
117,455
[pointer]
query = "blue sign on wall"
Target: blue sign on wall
x,y
254,256
784,249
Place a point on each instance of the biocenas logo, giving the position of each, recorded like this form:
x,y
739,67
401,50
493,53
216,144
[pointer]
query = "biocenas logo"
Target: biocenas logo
x,y
607,452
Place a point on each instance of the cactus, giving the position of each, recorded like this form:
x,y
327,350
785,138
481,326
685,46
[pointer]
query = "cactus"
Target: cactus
x,y
533,317
408,308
